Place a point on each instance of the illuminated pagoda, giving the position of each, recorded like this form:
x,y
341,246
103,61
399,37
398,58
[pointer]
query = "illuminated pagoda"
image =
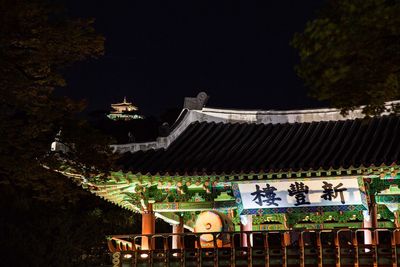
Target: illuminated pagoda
x,y
124,111
303,182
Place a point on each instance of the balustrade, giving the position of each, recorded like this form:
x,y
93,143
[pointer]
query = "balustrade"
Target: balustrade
x,y
295,248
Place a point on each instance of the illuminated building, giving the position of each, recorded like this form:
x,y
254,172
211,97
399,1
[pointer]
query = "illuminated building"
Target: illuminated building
x,y
302,182
124,111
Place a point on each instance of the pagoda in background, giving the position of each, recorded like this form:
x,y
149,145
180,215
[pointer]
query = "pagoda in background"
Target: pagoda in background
x,y
124,111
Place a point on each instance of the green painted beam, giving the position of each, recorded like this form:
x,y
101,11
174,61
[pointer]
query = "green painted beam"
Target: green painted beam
x,y
193,206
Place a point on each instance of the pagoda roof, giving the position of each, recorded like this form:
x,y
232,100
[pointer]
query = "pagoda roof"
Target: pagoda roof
x,y
226,147
125,103
128,104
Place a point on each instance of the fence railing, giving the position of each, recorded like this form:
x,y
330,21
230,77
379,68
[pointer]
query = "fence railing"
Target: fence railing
x,y
302,248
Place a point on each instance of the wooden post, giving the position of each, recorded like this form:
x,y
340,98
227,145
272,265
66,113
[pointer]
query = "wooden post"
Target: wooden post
x,y
371,221
148,227
374,219
367,223
246,224
286,234
397,224
176,239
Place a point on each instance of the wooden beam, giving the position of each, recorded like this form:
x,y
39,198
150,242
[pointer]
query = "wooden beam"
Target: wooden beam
x,y
193,206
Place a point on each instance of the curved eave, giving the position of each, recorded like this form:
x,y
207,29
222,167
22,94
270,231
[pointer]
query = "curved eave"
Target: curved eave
x,y
113,190
272,174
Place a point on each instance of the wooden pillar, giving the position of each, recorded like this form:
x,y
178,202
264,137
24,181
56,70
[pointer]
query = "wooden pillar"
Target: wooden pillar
x,y
367,223
177,242
286,234
370,221
148,227
397,224
246,224
374,219
374,215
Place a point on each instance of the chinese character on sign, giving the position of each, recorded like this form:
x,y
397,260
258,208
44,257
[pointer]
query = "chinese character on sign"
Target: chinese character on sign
x,y
330,192
299,191
266,195
258,195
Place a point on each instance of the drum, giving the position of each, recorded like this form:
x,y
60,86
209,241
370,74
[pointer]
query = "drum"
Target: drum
x,y
213,222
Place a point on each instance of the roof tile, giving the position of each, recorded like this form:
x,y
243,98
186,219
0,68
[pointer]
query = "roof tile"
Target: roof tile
x,y
206,148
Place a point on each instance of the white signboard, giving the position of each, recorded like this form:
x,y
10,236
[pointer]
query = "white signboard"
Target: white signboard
x,y
302,195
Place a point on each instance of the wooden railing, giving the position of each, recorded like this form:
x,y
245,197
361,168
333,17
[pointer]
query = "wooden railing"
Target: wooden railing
x,y
308,248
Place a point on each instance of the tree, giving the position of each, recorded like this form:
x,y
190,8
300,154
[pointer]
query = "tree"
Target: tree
x,y
46,219
350,54
37,233
37,42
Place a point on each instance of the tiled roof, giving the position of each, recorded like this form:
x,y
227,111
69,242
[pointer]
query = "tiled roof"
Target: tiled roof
x,y
209,148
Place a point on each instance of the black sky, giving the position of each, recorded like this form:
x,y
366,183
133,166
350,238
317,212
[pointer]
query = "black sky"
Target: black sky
x,y
157,52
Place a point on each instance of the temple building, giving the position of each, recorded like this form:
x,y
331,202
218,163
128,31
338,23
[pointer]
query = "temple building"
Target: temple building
x,y
124,111
319,188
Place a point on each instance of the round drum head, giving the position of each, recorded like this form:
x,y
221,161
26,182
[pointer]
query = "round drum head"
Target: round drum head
x,y
210,222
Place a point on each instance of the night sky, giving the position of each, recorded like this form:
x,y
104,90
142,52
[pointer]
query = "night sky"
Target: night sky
x,y
158,52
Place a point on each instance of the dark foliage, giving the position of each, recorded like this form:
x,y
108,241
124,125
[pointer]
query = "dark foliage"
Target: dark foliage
x,y
350,54
35,233
46,220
